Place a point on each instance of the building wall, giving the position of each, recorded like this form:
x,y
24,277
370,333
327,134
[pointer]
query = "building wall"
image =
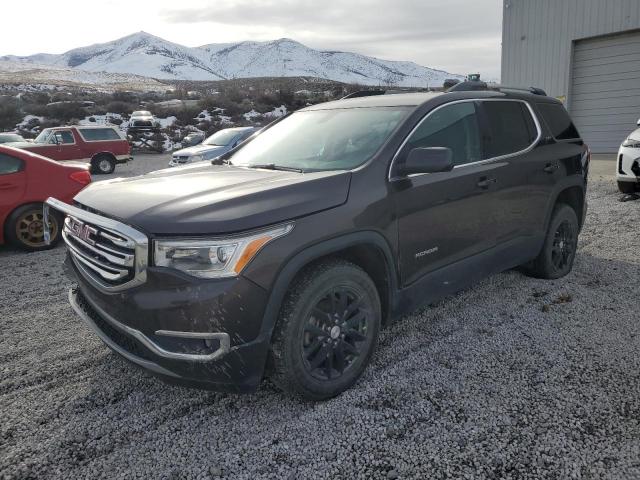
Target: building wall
x,y
538,35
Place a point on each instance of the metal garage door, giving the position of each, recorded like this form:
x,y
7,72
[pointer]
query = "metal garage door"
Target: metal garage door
x,y
605,91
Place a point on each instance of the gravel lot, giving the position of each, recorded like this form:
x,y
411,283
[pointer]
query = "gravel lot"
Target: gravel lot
x,y
514,378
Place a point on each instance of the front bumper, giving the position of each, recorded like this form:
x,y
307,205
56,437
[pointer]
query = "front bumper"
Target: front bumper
x,y
185,333
628,164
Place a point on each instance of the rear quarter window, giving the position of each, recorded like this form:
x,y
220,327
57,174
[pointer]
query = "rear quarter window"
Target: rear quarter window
x,y
9,164
99,134
511,128
558,121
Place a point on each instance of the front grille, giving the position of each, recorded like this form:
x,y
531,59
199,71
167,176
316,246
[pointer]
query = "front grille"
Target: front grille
x,y
180,158
107,256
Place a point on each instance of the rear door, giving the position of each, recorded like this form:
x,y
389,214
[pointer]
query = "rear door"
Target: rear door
x,y
445,217
511,132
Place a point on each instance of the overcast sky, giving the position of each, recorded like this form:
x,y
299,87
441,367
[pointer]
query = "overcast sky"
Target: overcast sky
x,y
459,36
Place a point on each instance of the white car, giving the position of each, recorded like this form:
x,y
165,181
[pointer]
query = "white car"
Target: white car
x,y
141,119
628,163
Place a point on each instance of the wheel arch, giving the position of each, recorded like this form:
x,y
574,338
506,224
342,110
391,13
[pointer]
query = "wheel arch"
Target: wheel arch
x,y
107,153
572,193
368,249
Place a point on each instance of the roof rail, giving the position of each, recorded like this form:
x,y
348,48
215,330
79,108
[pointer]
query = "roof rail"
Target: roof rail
x,y
371,93
534,90
475,85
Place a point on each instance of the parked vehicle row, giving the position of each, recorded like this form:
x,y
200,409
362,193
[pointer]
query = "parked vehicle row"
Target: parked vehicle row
x,y
288,255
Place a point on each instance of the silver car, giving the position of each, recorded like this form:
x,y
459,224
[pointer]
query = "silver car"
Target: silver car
x,y
217,144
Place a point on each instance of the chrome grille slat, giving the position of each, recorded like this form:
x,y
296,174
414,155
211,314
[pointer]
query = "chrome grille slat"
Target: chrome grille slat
x,y
121,258
104,270
121,242
109,254
126,260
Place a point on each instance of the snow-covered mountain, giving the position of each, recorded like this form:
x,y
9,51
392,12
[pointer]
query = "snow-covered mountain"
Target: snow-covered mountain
x,y
147,55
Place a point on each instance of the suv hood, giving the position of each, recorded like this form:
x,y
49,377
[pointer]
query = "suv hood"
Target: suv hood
x,y
208,199
198,150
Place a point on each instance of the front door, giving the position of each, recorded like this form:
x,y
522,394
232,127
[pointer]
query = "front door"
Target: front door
x,y
67,147
445,217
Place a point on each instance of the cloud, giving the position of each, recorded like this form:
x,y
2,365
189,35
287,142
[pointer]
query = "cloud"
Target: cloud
x,y
454,35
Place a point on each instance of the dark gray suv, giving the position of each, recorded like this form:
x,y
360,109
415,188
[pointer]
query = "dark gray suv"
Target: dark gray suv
x,y
289,254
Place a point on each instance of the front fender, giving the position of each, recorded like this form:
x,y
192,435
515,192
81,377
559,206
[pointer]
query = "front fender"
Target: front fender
x,y
314,252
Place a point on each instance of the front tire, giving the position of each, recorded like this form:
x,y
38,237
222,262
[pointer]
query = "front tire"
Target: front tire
x,y
327,330
103,164
556,258
25,228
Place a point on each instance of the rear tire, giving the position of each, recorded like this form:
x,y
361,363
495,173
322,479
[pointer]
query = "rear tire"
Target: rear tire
x,y
327,330
25,228
556,258
627,187
103,164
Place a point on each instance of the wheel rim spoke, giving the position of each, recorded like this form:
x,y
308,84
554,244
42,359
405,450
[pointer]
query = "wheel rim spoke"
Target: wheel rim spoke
x,y
355,320
321,356
350,349
329,364
335,333
315,330
355,335
311,349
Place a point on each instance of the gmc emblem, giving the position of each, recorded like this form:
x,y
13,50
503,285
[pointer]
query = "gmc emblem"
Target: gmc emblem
x,y
83,231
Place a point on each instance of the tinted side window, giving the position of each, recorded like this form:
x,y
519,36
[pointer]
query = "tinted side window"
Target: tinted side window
x,y
9,164
511,128
558,121
454,126
97,134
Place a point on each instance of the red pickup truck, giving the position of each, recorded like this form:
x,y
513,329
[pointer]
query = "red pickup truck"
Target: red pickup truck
x,y
103,147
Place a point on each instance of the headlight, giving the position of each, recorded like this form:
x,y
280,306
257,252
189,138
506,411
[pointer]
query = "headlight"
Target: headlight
x,y
195,158
215,257
631,142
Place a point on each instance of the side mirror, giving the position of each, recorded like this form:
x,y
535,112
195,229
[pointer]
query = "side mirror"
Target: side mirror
x,y
428,160
638,123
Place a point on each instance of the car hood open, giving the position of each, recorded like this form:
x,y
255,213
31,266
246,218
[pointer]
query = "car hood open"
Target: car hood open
x,y
209,199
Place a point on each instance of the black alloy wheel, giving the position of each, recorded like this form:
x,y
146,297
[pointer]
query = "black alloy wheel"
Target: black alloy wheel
x,y
335,334
327,330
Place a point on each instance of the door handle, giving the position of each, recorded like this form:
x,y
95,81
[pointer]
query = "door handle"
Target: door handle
x,y
485,182
6,186
551,167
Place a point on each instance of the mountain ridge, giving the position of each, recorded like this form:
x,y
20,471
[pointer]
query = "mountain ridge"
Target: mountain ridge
x,y
147,55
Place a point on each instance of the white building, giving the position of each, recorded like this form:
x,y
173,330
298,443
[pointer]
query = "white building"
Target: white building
x,y
585,52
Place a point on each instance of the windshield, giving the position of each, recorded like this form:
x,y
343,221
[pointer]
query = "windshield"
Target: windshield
x,y
221,138
316,140
43,137
141,113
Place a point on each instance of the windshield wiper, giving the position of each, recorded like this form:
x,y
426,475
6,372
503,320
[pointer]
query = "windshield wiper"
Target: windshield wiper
x,y
273,166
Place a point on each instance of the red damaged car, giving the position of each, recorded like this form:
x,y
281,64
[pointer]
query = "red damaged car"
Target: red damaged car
x,y
26,181
103,147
